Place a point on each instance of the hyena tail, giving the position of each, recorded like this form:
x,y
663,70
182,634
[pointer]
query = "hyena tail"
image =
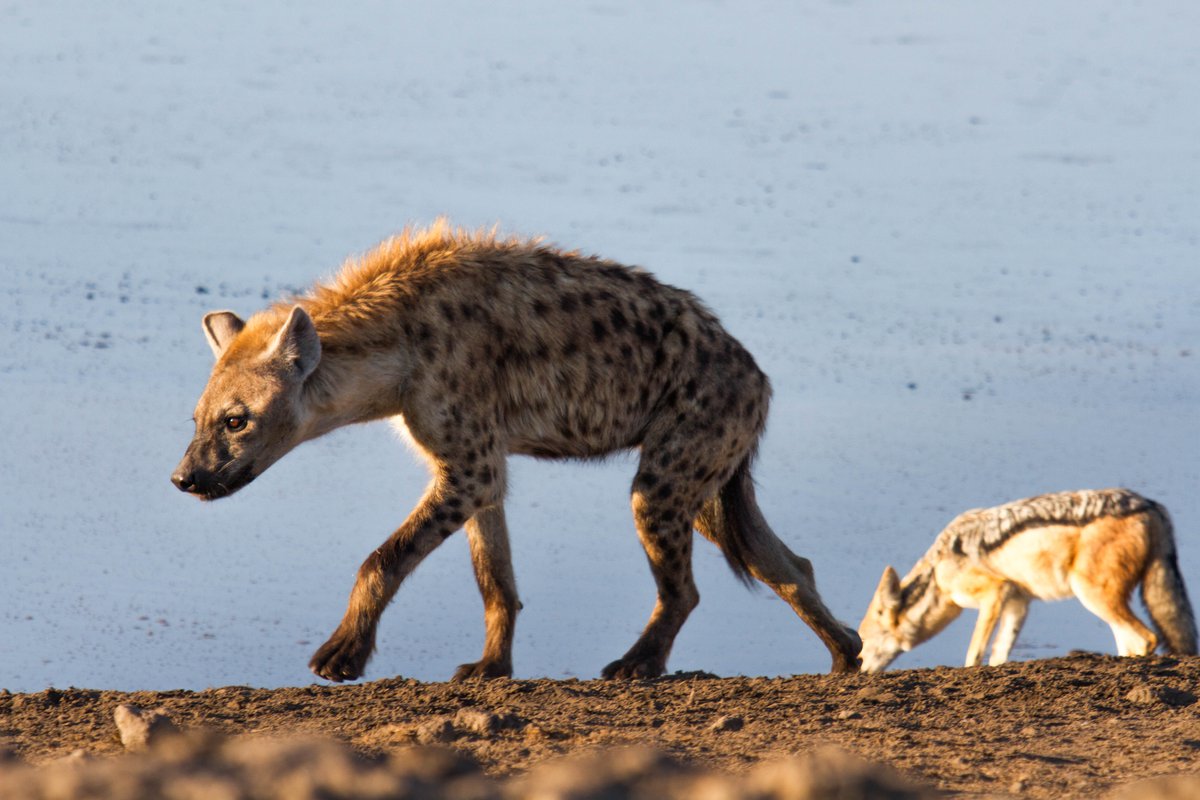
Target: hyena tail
x,y
1164,594
732,520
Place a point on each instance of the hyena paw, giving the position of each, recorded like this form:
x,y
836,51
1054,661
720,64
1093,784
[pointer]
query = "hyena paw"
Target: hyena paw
x,y
624,669
484,670
342,658
846,657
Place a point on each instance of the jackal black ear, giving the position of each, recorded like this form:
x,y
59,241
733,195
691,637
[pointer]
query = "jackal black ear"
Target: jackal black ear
x,y
297,343
220,327
889,589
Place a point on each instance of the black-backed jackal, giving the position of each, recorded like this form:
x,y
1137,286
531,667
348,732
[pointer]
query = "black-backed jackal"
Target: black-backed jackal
x,y
478,347
1095,545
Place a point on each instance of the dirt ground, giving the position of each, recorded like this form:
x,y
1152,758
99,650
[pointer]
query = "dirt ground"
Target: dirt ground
x,y
1056,728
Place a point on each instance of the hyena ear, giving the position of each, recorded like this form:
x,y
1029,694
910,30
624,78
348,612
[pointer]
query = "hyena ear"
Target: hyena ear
x,y
888,591
220,327
297,343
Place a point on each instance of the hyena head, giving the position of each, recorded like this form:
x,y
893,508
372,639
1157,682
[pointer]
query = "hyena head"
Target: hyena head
x,y
251,412
887,629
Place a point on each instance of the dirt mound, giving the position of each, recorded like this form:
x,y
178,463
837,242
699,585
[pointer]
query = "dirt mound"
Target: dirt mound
x,y
1068,727
190,766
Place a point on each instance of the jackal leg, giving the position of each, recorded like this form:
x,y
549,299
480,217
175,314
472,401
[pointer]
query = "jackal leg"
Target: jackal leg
x,y
1111,604
491,558
989,614
439,514
1012,618
667,538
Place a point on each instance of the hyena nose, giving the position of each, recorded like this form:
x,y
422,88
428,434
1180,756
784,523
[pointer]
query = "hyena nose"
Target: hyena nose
x,y
186,481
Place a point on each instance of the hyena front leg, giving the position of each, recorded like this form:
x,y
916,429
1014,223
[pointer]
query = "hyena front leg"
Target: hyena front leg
x,y
492,560
442,511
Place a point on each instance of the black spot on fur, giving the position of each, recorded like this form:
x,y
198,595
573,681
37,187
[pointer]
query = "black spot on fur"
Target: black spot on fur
x,y
567,303
644,332
598,330
617,274
617,320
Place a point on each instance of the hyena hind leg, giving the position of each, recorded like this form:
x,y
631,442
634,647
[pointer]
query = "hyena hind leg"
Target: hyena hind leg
x,y
491,557
666,535
771,561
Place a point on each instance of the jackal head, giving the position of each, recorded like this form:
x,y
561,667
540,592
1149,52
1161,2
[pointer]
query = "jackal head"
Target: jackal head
x,y
251,412
887,629
903,614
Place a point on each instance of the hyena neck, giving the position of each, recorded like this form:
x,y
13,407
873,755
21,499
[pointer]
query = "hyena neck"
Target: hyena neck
x,y
351,386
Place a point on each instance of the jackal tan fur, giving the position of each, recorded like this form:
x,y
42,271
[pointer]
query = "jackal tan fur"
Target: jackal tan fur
x,y
478,347
1096,545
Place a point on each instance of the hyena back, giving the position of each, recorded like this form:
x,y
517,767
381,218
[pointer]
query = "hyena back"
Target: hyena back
x,y
479,347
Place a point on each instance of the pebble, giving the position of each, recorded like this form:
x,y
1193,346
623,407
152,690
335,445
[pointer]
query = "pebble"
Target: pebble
x,y
1144,694
141,729
727,723
436,731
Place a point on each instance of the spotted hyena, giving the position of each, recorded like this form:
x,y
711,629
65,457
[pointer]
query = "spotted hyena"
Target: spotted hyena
x,y
479,347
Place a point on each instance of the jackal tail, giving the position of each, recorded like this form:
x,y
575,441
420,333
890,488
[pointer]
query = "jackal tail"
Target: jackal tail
x,y
1165,596
732,519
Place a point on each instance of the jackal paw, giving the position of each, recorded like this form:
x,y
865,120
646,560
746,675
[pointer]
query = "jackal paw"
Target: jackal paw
x,y
485,670
624,669
342,658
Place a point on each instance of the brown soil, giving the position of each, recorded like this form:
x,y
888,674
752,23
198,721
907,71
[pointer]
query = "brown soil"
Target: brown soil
x,y
1065,727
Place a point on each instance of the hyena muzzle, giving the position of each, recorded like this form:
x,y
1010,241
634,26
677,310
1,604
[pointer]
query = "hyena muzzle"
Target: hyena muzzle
x,y
479,347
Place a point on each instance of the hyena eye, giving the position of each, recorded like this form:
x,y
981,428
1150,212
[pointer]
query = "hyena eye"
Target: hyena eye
x,y
235,423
